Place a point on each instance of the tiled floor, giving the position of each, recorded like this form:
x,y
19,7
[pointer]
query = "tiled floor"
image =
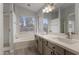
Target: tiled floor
x,y
31,51
26,51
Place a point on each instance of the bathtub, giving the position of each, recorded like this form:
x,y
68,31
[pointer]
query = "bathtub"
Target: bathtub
x,y
24,39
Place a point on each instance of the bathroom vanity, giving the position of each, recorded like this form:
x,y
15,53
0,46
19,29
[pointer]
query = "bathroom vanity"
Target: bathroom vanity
x,y
61,20
54,45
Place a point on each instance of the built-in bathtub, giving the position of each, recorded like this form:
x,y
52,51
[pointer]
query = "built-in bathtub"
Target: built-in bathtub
x,y
24,41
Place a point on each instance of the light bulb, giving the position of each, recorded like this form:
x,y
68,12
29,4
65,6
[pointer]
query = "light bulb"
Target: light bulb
x,y
46,8
50,9
44,11
47,11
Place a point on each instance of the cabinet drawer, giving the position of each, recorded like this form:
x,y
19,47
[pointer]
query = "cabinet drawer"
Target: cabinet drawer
x,y
47,51
59,50
48,44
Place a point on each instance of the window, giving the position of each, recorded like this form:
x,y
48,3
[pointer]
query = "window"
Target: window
x,y
27,23
45,25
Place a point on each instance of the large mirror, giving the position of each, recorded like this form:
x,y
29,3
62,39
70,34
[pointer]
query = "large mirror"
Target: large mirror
x,y
68,18
53,21
71,22
61,19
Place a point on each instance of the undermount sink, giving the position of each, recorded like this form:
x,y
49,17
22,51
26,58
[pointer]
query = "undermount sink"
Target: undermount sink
x,y
68,41
51,36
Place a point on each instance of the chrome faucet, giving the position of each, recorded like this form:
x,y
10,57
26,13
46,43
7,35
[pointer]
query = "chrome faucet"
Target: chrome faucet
x,y
69,35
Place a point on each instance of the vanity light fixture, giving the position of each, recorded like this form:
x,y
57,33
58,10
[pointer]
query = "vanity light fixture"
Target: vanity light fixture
x,y
45,10
49,8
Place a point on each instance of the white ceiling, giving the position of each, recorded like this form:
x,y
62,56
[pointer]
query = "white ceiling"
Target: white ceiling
x,y
63,4
34,6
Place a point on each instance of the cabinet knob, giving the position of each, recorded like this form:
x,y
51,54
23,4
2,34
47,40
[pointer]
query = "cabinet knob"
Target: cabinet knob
x,y
51,53
53,47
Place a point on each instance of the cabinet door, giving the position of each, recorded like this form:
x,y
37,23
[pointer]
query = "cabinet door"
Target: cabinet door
x,y
56,49
47,51
36,41
40,45
51,45
69,53
59,50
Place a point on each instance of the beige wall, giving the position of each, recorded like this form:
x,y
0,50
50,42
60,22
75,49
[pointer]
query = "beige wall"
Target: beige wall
x,y
1,28
77,17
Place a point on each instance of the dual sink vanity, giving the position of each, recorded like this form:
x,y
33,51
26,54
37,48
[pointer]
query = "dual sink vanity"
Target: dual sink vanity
x,y
56,44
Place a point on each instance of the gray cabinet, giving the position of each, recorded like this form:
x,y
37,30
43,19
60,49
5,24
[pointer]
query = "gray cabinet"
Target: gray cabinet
x,y
36,41
47,48
40,45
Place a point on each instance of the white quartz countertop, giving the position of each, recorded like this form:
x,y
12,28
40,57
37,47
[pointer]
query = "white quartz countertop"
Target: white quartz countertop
x,y
70,45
